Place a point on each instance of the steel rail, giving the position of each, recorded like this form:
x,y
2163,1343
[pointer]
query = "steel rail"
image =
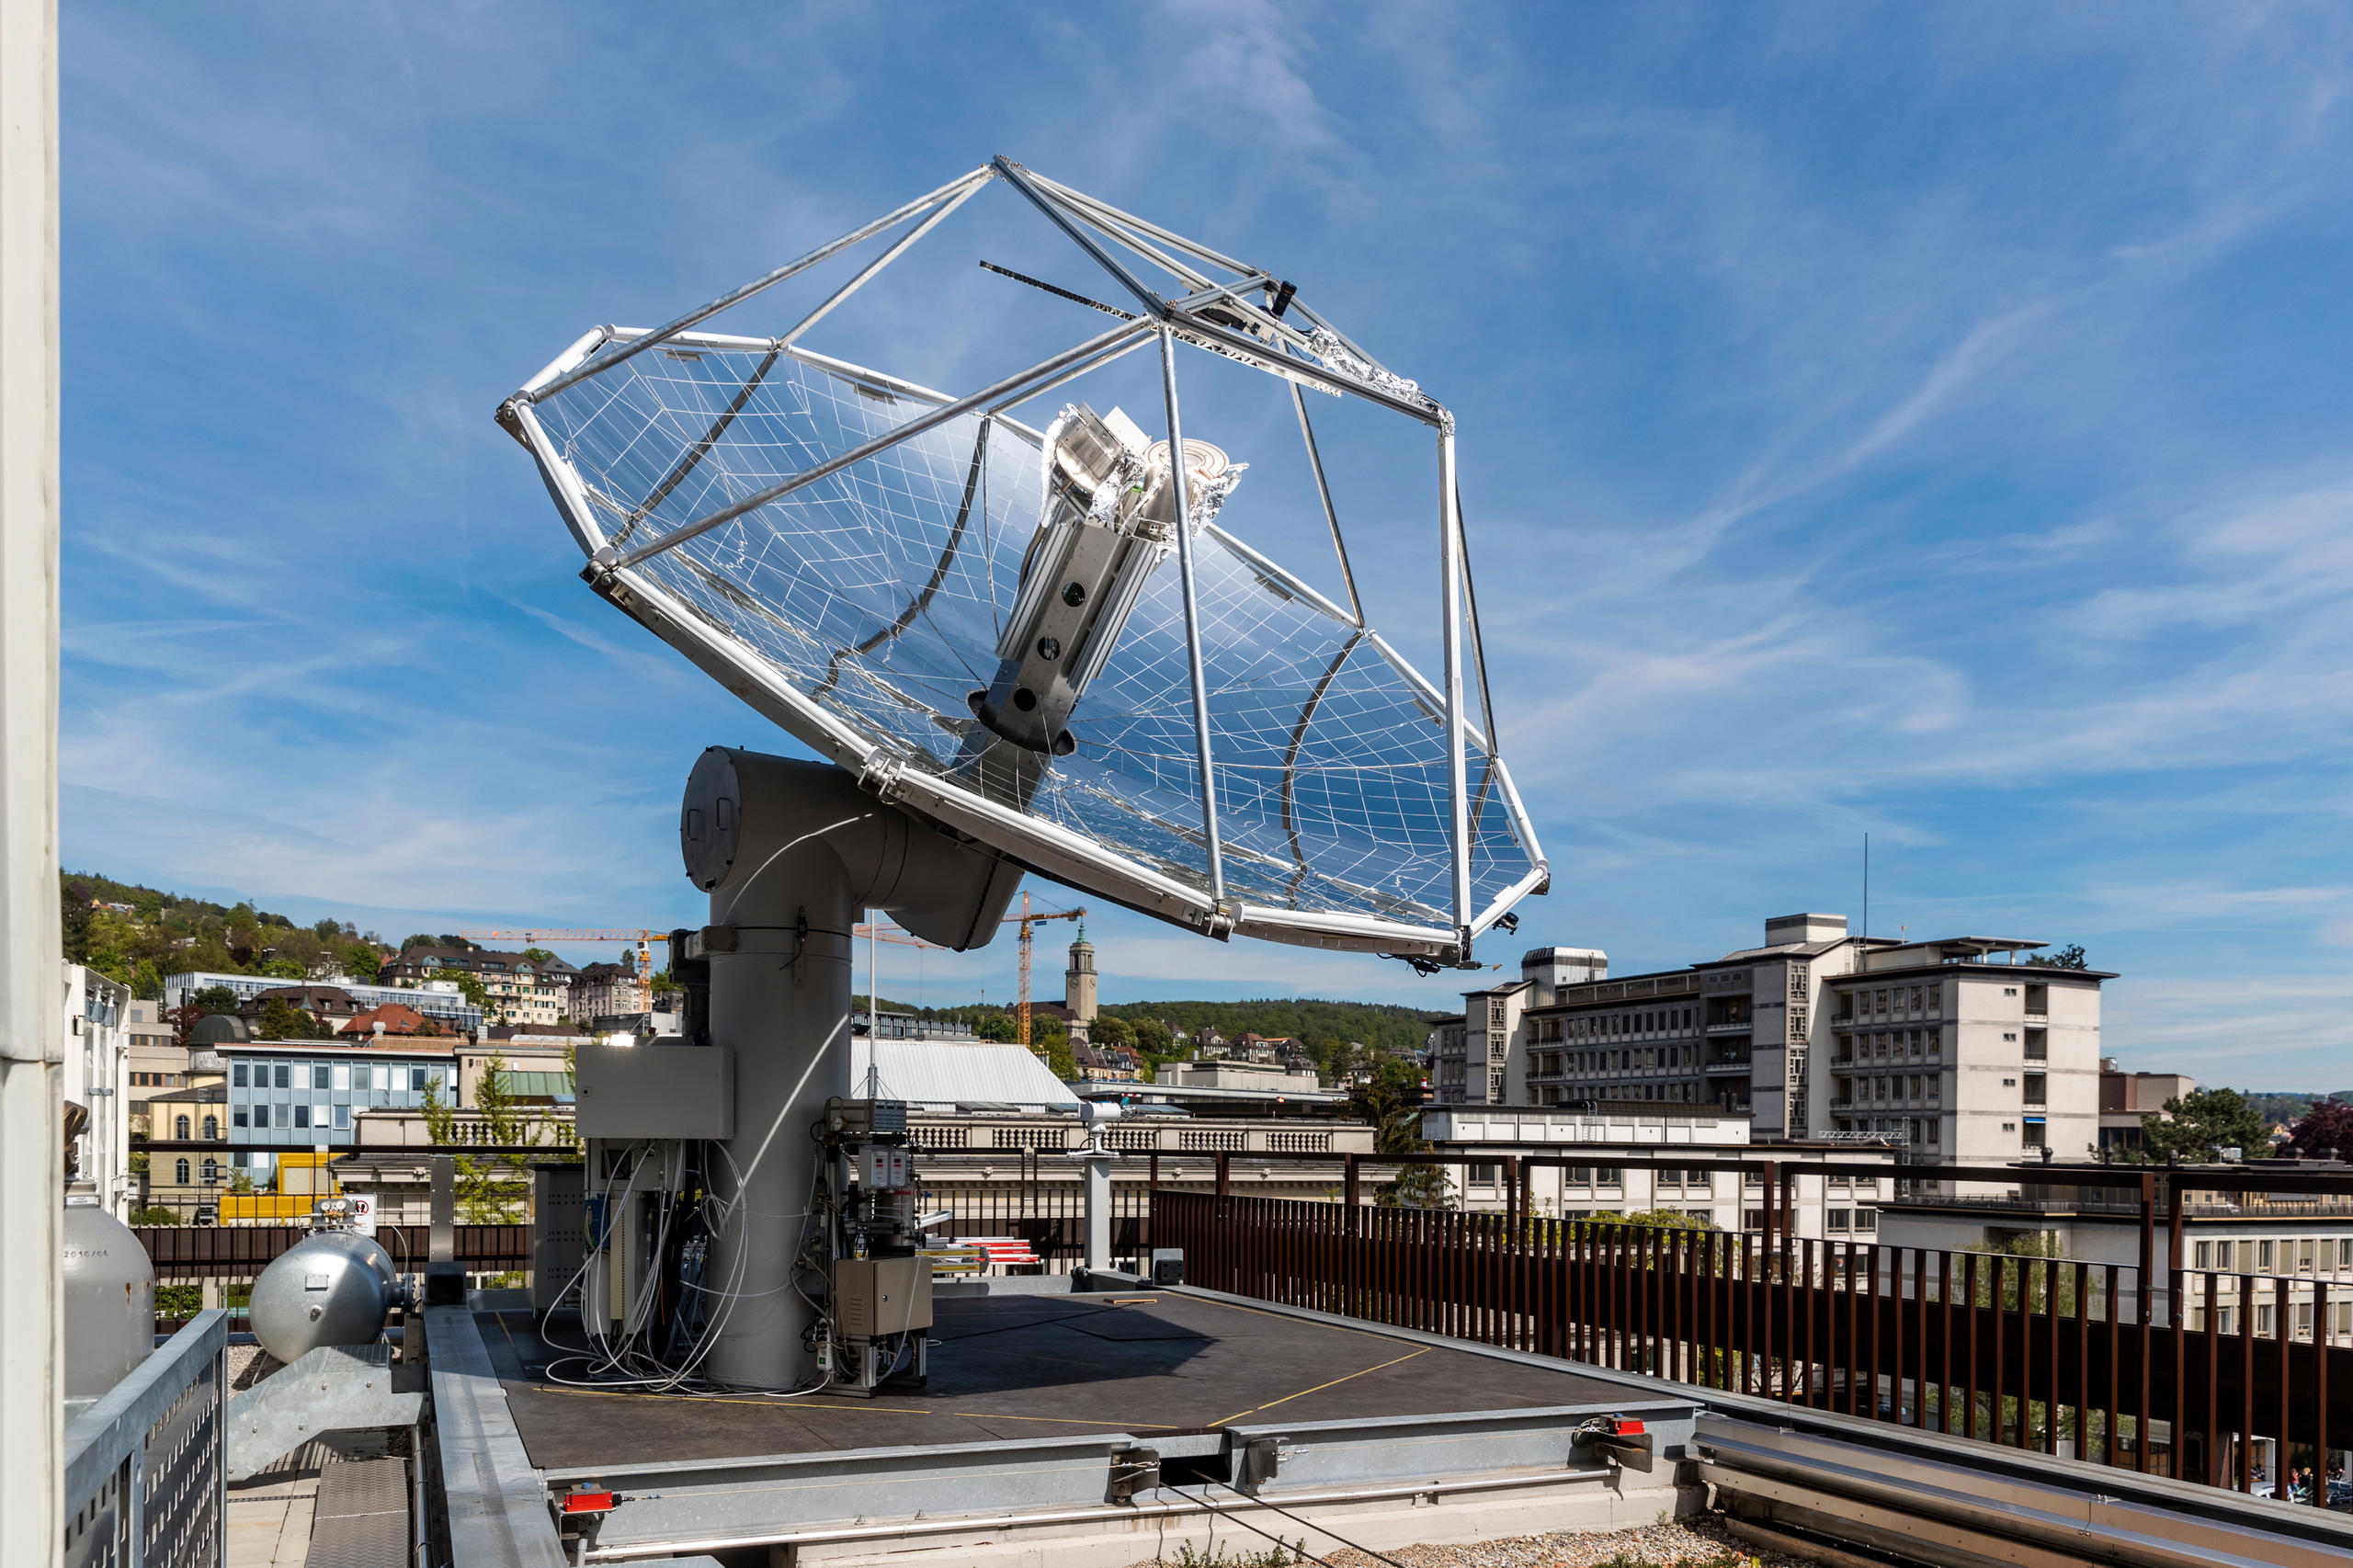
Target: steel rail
x,y
1108,1513
597,366
1180,480
1018,178
1330,513
899,247
1146,225
919,425
1449,526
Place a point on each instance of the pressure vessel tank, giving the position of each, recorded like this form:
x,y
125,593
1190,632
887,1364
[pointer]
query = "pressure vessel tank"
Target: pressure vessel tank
x,y
320,1291
109,1300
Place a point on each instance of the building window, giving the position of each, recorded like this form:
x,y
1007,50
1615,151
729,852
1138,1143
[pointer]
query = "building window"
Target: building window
x,y
179,1172
381,1079
321,1076
211,1172
416,1079
302,1116
343,1117
179,1130
212,1127
238,1075
284,1076
1837,1219
2205,1256
237,1116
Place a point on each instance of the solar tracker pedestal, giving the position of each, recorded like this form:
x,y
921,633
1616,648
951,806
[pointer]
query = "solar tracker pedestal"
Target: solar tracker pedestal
x,y
790,853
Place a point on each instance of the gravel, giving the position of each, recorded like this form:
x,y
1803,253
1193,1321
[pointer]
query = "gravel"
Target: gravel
x,y
1700,1541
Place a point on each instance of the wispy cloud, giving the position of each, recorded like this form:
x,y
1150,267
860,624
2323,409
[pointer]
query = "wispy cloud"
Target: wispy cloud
x,y
1925,423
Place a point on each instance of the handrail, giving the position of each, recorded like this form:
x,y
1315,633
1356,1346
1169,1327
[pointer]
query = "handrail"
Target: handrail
x,y
146,1462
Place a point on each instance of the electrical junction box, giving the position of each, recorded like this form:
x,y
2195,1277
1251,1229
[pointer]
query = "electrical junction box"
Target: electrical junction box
x,y
855,1120
875,1296
884,1169
659,1089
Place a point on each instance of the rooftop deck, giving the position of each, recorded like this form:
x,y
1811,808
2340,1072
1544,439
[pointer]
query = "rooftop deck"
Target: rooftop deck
x,y
1022,1367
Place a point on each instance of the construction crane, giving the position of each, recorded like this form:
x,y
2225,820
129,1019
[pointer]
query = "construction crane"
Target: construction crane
x,y
877,932
1025,920
533,936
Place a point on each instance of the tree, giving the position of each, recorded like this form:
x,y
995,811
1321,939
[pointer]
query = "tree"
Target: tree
x,y
2069,957
1113,1032
281,1019
1153,1038
363,962
539,955
1050,1040
2328,1125
471,987
77,909
2200,1124
183,1021
421,939
999,1026
216,999
493,1189
1389,1105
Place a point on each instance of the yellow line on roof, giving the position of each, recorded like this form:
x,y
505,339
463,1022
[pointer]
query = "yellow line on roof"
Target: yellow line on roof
x,y
1319,1388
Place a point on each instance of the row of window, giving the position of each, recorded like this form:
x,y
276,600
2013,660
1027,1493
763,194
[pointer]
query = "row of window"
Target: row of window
x,y
332,1075
1926,1087
1918,1129
339,1118
2325,1254
2227,1319
160,1080
1895,1046
1630,1059
1893,1001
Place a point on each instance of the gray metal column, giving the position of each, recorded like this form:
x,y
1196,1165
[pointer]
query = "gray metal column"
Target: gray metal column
x,y
790,852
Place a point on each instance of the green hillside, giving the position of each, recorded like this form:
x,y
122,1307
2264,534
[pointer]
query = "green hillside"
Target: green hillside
x,y
163,933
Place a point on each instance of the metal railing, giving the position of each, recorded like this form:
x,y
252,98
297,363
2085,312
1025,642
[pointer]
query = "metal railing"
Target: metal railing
x,y
145,1482
2057,1356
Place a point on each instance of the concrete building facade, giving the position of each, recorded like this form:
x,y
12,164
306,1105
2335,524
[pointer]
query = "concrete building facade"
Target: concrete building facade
x,y
1817,1035
1963,1060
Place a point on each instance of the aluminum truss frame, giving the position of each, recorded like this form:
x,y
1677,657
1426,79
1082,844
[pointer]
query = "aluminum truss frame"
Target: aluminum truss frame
x,y
1269,338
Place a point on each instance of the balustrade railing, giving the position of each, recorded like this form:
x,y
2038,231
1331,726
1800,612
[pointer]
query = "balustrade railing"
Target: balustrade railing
x,y
2232,1380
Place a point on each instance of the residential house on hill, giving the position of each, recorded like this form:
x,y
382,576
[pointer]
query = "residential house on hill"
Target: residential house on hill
x,y
520,989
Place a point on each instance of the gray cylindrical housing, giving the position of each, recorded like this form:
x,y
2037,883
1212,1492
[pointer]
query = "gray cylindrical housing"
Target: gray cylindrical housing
x,y
109,1300
368,1249
320,1291
790,853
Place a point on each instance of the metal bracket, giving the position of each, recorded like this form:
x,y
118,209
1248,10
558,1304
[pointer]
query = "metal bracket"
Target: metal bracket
x,y
1261,1459
335,1387
1620,1439
1133,1470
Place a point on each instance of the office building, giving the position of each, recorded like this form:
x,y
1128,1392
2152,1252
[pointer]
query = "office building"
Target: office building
x,y
1816,1035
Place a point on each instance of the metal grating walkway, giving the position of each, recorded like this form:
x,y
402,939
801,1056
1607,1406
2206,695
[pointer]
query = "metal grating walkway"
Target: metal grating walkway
x,y
360,1519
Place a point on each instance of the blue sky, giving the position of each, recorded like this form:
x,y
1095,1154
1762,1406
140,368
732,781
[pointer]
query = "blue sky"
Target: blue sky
x,y
1926,422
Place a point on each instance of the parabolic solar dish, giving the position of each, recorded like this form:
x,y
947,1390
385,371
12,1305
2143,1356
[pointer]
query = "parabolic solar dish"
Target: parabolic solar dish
x,y
979,603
